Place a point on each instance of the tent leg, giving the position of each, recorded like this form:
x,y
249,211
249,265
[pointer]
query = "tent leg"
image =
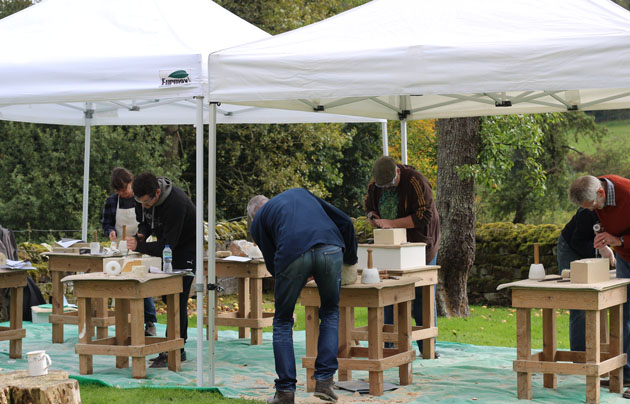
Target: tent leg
x,y
384,137
403,141
89,114
212,146
199,280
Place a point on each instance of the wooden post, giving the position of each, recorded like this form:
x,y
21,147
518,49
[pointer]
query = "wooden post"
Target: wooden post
x,y
95,235
124,234
536,254
370,263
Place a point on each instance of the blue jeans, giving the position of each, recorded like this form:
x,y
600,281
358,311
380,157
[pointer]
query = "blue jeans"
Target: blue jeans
x,y
149,311
416,310
577,318
623,271
324,263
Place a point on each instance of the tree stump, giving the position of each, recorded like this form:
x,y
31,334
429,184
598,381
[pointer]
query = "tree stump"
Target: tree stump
x,y
53,388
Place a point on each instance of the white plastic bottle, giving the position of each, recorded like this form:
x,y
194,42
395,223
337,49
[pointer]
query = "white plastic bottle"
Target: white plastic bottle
x,y
167,259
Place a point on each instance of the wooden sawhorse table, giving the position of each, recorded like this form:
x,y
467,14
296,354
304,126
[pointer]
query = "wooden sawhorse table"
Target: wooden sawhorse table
x,y
375,297
14,279
129,291
598,359
61,262
250,313
426,277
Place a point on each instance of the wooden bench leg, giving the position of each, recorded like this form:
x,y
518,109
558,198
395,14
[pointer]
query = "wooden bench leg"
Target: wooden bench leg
x,y
86,331
255,291
375,347
101,312
173,331
592,354
550,380
346,324
243,305
57,306
15,316
428,320
616,347
405,371
122,330
312,335
524,351
138,365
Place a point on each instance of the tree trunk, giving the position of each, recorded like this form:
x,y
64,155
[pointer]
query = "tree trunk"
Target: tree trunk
x,y
458,144
53,388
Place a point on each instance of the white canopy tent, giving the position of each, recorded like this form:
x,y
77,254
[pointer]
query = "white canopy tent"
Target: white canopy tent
x,y
418,59
115,62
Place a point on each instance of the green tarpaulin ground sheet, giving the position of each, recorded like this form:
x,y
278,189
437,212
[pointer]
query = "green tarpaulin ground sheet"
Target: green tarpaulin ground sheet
x,y
463,374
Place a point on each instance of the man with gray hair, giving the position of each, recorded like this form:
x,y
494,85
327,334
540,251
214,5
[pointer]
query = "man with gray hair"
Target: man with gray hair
x,y
609,197
301,235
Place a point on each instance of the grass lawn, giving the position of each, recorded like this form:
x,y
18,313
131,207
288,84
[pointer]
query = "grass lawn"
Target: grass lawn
x,y
493,326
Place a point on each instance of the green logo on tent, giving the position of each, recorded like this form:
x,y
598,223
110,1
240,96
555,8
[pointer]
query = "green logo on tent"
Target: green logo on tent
x,y
179,77
178,74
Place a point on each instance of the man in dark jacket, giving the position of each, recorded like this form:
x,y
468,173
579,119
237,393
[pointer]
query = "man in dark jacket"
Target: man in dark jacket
x,y
300,235
400,197
166,212
576,243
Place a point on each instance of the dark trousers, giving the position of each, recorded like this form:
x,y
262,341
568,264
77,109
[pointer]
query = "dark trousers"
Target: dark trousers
x,y
184,261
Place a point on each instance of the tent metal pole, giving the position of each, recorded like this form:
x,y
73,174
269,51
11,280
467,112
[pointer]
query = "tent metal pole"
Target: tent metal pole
x,y
89,114
212,173
403,141
199,280
384,136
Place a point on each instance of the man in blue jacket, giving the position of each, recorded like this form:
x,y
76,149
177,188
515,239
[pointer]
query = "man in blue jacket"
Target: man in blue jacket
x,y
300,235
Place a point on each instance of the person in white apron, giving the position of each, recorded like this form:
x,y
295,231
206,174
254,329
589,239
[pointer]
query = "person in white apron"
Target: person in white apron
x,y
119,211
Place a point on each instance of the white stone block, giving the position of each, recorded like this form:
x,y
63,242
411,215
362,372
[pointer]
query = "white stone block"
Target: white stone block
x,y
410,255
590,270
390,236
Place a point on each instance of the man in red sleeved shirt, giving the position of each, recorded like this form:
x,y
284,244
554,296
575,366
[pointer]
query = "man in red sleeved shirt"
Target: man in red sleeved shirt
x,y
609,197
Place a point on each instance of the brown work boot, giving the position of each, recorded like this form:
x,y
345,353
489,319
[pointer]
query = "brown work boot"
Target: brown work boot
x,y
324,390
282,397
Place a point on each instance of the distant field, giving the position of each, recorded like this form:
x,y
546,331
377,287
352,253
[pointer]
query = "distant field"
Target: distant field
x,y
618,136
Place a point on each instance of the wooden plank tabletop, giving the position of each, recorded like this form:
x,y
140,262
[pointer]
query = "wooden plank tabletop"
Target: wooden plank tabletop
x,y
554,284
125,276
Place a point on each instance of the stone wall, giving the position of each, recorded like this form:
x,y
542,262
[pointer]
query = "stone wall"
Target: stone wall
x,y
504,252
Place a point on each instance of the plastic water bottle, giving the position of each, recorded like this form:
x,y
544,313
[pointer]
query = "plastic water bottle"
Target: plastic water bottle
x,y
167,259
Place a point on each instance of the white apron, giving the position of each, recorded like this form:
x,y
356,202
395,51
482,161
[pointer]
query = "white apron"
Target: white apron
x,y
125,217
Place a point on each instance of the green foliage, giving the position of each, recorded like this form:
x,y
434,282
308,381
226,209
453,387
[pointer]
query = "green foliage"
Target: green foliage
x,y
277,16
269,159
41,167
422,144
8,7
355,167
95,394
523,169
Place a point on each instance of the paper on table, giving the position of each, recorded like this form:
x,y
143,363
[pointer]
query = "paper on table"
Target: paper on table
x,y
67,242
18,265
237,258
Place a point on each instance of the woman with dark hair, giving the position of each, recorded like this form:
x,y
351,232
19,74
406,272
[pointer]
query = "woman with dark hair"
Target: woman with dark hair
x,y
119,211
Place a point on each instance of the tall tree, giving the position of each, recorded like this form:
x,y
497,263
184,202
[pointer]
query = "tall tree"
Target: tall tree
x,y
524,171
458,145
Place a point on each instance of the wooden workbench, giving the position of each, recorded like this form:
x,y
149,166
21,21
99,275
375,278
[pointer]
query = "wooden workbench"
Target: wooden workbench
x,y
598,359
375,297
60,263
129,291
426,277
15,280
250,313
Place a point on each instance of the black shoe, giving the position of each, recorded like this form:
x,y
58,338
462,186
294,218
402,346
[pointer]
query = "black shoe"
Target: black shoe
x,y
437,354
324,390
626,394
606,383
149,329
282,397
161,361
